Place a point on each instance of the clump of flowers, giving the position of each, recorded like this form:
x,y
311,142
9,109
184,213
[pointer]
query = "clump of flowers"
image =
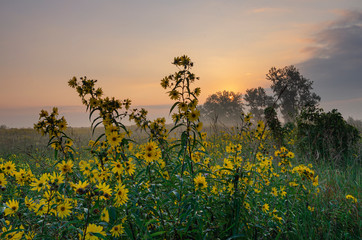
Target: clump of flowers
x,y
189,186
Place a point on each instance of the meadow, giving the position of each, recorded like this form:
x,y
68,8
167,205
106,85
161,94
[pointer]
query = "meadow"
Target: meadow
x,y
179,181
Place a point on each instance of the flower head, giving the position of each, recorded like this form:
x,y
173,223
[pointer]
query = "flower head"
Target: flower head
x,y
12,207
200,182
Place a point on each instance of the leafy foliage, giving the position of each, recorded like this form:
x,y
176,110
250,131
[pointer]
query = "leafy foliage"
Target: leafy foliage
x,y
225,106
274,124
257,100
293,90
326,135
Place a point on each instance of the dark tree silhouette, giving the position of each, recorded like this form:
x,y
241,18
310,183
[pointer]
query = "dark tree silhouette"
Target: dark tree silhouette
x,y
225,106
257,100
293,90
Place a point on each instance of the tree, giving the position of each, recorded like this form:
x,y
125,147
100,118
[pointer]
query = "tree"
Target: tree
x,y
225,106
257,100
292,89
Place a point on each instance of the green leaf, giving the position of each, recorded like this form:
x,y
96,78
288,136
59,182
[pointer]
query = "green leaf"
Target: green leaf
x,y
151,221
236,236
173,106
157,233
112,214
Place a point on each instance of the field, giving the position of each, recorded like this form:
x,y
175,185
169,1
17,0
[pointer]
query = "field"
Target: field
x,y
180,181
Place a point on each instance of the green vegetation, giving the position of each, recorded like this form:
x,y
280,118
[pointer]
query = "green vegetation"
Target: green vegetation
x,y
251,181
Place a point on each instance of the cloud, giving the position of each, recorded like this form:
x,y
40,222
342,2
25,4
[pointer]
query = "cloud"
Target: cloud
x,y
335,64
269,10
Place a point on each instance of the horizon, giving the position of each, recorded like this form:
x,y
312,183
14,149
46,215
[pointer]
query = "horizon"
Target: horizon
x,y
77,117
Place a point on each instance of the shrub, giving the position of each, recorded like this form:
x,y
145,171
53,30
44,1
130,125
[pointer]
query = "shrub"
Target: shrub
x,y
326,135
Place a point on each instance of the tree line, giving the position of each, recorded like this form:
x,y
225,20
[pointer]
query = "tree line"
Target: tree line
x,y
291,92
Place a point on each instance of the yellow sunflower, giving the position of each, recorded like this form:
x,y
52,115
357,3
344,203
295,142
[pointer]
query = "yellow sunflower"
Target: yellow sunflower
x,y
90,230
117,167
121,195
114,138
200,182
12,207
3,181
104,191
66,167
193,115
64,209
117,230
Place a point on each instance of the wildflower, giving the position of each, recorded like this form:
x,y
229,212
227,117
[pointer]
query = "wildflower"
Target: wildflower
x,y
9,168
199,126
81,187
23,177
104,191
182,106
311,208
114,138
282,192
12,207
175,117
315,181
265,207
91,229
193,115
277,218
293,184
80,216
105,215
127,103
85,167
117,167
3,181
274,192
152,152
66,167
203,135
150,146
57,178
351,197
12,234
62,124
165,82
29,203
231,188
290,154
197,91
200,182
130,167
117,230
248,117
174,95
166,175
40,184
305,172
30,235
63,209
215,190
121,195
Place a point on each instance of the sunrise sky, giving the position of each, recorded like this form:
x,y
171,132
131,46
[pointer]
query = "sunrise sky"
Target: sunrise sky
x,y
128,46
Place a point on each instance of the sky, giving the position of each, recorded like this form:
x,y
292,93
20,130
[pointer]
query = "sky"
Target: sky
x,y
128,46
